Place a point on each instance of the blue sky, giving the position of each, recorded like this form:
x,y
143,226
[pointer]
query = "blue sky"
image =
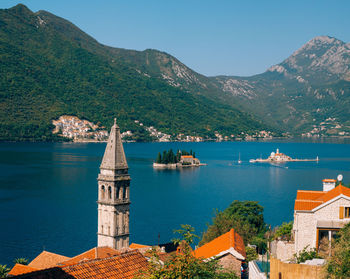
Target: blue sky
x,y
225,37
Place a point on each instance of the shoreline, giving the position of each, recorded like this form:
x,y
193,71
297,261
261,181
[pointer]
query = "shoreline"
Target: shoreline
x,y
298,139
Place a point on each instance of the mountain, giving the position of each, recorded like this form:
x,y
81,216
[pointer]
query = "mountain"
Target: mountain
x,y
49,68
306,93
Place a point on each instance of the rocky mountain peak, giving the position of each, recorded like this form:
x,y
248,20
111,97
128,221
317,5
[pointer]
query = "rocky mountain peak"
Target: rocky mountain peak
x,y
324,56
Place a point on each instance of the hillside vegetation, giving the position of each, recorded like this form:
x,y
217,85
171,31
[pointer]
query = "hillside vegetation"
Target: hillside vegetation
x,y
50,68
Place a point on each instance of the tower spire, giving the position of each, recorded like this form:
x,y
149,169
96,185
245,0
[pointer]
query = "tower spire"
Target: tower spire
x,y
114,156
113,194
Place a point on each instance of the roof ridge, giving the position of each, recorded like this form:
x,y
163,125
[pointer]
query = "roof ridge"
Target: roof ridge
x,y
232,237
309,200
311,191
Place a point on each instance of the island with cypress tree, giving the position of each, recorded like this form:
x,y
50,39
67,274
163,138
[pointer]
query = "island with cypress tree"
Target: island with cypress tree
x,y
182,158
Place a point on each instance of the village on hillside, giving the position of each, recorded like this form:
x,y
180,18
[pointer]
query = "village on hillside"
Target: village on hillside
x,y
78,130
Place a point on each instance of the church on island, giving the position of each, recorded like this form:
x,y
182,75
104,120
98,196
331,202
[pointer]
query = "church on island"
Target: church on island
x,y
114,257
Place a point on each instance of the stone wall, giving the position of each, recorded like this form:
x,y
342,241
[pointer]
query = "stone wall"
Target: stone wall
x,y
282,250
230,263
280,270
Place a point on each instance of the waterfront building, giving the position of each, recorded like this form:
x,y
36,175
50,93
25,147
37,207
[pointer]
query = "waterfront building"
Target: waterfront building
x,y
318,215
189,159
113,194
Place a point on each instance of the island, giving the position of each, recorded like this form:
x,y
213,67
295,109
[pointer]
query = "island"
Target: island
x,y
171,161
277,157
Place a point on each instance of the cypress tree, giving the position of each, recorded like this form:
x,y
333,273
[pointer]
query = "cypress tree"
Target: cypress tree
x,y
164,158
159,158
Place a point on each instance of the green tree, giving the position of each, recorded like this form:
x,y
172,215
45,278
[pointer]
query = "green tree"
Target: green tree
x,y
159,158
284,231
23,261
164,157
251,254
3,270
245,217
183,264
339,264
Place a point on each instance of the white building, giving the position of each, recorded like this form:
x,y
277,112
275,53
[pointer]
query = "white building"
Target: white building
x,y
320,214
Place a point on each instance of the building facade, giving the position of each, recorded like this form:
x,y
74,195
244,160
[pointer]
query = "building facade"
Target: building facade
x,y
113,194
318,215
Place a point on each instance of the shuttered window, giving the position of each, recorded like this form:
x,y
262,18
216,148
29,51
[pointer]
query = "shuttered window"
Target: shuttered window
x,y
341,212
347,212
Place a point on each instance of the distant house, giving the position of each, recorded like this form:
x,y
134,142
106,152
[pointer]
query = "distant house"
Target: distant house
x,y
228,248
318,215
189,159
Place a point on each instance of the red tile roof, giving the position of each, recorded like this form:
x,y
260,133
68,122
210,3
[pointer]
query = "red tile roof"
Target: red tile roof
x,y
308,200
46,260
221,244
94,253
138,246
21,269
123,266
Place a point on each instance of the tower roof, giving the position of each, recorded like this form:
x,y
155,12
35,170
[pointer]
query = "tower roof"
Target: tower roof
x,y
114,157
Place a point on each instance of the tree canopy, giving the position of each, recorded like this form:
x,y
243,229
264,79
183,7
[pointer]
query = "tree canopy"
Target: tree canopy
x,y
246,217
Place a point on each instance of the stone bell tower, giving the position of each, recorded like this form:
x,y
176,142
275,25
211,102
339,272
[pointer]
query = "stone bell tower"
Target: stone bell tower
x,y
113,194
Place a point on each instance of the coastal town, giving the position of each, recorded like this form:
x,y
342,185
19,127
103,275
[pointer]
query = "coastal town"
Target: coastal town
x,y
73,128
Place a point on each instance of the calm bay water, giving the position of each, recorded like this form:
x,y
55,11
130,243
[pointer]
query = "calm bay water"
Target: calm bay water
x,y
48,191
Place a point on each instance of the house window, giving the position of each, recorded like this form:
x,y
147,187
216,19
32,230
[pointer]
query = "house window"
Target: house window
x,y
347,212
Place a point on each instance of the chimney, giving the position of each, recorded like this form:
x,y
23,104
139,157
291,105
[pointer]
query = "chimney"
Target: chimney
x,y
328,184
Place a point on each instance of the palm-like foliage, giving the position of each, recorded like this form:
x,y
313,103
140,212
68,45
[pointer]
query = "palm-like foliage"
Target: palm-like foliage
x,y
21,261
3,270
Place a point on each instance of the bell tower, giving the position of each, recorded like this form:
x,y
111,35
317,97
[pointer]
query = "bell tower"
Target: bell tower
x,y
113,194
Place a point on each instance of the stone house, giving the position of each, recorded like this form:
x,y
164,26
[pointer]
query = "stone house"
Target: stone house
x,y
228,248
318,215
189,159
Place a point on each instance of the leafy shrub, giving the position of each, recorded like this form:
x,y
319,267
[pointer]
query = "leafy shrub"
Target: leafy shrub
x,y
306,254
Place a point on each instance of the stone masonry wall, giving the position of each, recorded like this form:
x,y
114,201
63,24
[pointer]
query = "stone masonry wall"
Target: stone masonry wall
x,y
230,263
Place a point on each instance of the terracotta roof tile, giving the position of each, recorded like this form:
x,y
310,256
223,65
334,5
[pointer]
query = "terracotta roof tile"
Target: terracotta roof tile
x,y
123,266
94,253
47,260
306,204
220,244
21,269
308,200
138,246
